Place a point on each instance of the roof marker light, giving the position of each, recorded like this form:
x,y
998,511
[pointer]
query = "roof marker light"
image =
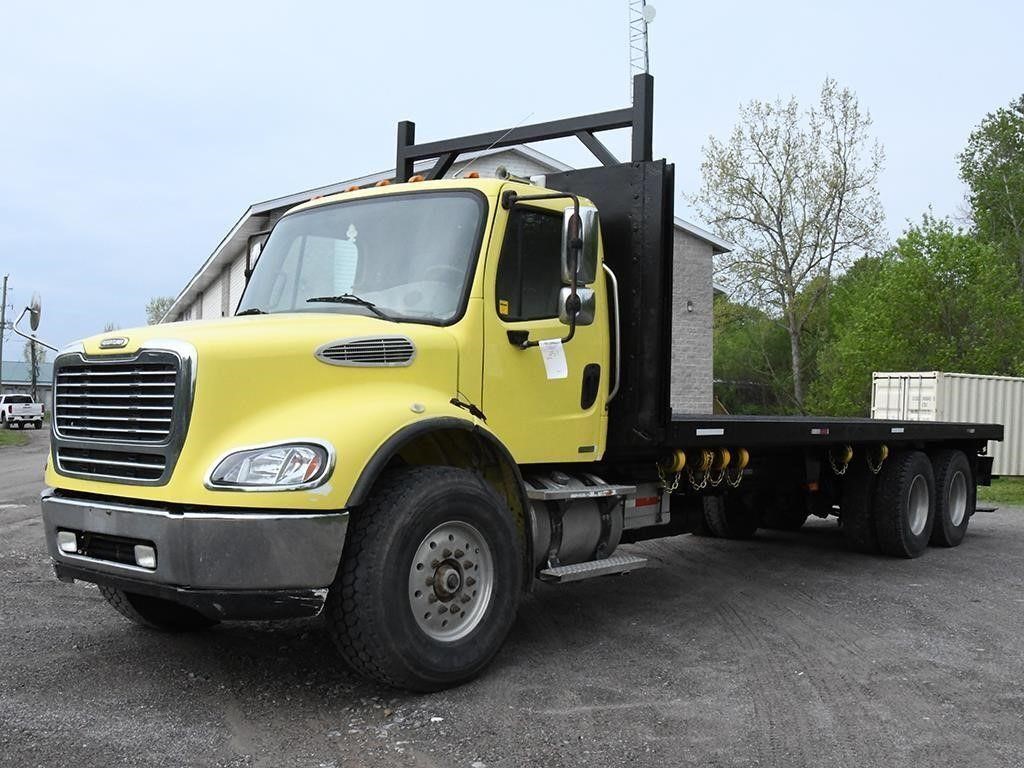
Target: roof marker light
x,y
383,183
352,188
417,177
473,175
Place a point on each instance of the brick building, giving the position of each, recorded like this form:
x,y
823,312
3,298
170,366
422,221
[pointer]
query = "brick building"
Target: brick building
x,y
215,289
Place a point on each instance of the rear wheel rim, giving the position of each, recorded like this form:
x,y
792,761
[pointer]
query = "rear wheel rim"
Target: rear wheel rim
x,y
451,580
957,499
917,505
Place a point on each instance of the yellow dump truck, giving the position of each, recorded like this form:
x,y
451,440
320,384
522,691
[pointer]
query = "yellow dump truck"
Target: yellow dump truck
x,y
432,394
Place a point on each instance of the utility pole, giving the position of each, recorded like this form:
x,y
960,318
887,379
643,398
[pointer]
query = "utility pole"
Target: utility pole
x,y
33,356
3,330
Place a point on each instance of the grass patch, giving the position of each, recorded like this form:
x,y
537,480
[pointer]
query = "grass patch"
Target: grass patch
x,y
12,437
1004,490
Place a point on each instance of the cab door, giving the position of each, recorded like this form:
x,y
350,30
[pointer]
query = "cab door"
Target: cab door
x,y
540,418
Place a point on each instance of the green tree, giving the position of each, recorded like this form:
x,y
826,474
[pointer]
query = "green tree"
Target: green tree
x,y
157,308
752,363
795,190
992,165
940,299
751,359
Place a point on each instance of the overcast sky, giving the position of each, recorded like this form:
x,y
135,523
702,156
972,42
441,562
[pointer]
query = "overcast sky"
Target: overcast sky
x,y
133,136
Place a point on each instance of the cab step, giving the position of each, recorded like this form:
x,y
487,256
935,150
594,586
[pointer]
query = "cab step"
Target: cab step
x,y
579,571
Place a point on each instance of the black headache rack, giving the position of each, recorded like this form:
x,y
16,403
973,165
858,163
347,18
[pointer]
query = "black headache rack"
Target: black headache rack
x,y
635,200
636,204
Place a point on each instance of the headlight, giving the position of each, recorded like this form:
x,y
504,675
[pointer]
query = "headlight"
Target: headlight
x,y
284,467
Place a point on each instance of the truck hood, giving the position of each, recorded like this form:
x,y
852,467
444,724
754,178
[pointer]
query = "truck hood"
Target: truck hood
x,y
258,380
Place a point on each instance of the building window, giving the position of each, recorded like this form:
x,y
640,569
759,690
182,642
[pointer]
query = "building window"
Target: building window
x,y
530,268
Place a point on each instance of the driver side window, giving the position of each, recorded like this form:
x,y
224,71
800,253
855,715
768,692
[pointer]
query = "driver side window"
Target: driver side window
x,y
529,269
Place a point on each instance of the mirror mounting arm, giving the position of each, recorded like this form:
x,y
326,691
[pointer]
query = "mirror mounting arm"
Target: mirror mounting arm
x,y
29,336
510,198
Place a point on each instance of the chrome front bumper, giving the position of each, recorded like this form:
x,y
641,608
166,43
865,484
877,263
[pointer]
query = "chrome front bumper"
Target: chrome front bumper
x,y
212,549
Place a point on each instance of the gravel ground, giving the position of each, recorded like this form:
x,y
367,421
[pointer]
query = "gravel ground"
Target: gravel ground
x,y
784,651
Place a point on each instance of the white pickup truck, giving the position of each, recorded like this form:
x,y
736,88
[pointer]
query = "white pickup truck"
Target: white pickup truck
x,y
20,410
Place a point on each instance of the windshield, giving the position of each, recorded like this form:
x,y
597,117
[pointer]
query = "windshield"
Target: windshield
x,y
407,255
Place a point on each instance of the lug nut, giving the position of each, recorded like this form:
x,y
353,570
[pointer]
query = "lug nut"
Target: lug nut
x,y
430,581
465,598
470,581
446,553
443,609
467,564
431,598
435,563
459,553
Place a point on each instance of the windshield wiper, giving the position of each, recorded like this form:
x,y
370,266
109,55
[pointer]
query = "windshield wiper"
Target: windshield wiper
x,y
351,298
251,311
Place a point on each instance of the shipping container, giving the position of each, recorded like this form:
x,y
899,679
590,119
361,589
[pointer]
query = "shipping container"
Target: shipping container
x,y
964,397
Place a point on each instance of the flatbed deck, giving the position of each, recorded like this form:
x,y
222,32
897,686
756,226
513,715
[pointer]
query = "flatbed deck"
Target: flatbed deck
x,y
802,431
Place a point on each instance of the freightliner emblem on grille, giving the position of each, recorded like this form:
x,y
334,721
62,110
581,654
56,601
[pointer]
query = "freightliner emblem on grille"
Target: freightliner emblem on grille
x,y
114,342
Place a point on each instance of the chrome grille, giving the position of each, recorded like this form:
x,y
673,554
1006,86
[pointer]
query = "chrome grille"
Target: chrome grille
x,y
123,402
120,418
369,351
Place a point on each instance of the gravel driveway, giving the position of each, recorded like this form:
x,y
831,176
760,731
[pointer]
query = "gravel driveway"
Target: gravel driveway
x,y
784,651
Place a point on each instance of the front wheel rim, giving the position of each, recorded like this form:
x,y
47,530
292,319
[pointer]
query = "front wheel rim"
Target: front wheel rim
x,y
957,499
917,504
451,581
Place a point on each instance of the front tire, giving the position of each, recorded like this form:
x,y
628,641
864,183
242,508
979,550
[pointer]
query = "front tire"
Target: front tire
x,y
904,504
154,613
429,581
955,498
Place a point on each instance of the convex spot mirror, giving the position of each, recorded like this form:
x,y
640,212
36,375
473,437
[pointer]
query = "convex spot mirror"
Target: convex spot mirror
x,y
35,309
586,302
586,270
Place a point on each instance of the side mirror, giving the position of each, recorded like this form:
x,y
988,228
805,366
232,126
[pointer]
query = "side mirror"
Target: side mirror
x,y
35,309
253,249
587,303
588,233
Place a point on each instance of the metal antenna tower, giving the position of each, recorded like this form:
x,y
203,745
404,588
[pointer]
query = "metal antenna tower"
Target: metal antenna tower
x,y
640,15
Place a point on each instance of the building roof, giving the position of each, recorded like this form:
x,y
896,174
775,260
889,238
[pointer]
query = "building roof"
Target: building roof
x,y
16,373
234,241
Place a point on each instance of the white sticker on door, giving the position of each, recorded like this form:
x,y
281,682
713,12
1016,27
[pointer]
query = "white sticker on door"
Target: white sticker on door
x,y
553,354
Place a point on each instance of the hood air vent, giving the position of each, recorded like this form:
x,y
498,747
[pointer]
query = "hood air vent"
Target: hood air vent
x,y
369,351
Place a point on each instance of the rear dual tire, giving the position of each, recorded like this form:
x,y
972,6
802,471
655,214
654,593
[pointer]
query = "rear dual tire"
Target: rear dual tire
x,y
733,516
904,504
956,496
914,501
